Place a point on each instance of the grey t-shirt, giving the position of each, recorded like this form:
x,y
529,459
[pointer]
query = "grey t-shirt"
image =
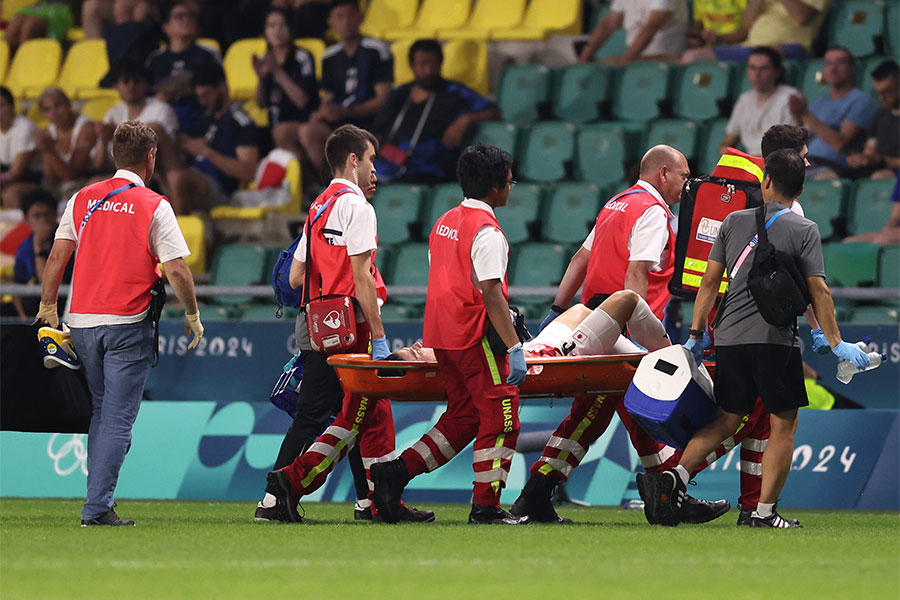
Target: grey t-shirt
x,y
741,322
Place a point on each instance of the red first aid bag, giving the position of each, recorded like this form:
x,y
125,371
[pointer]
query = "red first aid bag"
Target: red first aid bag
x,y
332,324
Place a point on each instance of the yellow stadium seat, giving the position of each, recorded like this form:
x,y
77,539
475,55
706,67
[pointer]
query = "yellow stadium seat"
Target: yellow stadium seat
x,y
293,175
11,7
486,16
75,34
95,108
85,65
258,114
192,228
388,15
434,15
467,61
543,18
4,59
316,47
210,44
34,67
239,67
402,71
34,113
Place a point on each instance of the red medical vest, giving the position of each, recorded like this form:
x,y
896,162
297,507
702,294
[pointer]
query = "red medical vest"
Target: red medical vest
x,y
114,267
455,316
610,256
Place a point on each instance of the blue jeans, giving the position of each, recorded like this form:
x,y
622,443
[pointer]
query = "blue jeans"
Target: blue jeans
x,y
116,361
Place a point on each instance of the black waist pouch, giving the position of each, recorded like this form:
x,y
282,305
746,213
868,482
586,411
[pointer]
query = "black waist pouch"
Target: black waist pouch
x,y
157,303
518,321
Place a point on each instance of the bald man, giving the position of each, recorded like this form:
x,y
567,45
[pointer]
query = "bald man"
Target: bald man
x,y
632,246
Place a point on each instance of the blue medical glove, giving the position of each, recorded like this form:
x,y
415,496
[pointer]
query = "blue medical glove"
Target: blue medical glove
x,y
852,353
380,350
695,346
820,344
517,367
550,316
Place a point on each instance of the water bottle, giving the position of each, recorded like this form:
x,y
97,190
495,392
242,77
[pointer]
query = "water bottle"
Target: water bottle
x,y
846,369
633,504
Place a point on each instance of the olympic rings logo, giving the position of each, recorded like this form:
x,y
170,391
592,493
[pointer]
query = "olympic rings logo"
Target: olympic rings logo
x,y
76,447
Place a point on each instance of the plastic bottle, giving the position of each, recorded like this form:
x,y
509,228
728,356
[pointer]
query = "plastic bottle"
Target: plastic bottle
x,y
846,369
634,504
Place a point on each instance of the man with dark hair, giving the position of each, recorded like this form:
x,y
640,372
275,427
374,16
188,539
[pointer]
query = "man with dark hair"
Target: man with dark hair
x,y
224,148
467,287
785,137
753,357
880,157
422,123
172,66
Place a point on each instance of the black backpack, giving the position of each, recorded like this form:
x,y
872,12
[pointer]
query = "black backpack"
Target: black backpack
x,y
775,282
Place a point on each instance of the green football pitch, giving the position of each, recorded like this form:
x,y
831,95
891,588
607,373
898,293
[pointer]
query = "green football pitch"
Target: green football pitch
x,y
214,550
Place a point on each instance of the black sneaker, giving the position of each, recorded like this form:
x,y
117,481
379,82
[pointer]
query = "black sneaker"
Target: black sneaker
x,y
695,510
535,501
744,518
646,485
409,514
362,513
272,513
108,518
773,520
279,486
669,498
490,515
389,478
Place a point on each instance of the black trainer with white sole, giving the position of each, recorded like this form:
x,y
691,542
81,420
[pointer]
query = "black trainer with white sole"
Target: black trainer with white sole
x,y
109,518
272,513
278,485
669,498
696,510
773,520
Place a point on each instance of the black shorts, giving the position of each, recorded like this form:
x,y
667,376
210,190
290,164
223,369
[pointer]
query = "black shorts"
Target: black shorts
x,y
747,371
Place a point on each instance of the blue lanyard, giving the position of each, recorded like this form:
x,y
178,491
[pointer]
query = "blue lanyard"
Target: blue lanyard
x,y
90,211
321,211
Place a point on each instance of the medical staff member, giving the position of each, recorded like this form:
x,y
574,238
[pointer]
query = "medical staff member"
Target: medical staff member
x,y
122,230
467,292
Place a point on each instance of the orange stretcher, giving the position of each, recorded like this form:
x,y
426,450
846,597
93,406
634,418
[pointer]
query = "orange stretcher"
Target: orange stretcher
x,y
559,377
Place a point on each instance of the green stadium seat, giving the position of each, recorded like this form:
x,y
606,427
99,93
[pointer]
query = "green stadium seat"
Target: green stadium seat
x,y
444,196
711,134
239,264
864,74
699,89
400,312
678,133
600,153
874,315
871,205
547,151
382,258
495,133
260,312
570,212
640,88
523,90
616,45
811,83
398,207
522,209
210,312
891,34
538,264
409,266
851,265
889,267
825,202
580,91
855,24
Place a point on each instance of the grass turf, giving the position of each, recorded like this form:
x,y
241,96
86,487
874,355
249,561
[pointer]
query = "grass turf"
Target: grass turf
x,y
215,550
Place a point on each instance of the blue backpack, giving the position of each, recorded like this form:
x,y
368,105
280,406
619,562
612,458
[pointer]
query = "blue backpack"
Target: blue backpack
x,y
285,295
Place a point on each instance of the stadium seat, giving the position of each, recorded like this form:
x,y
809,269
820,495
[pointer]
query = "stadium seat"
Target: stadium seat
x,y
871,205
616,45
547,151
467,61
891,34
4,59
210,44
522,208
485,16
889,267
239,264
855,24
495,133
579,92
543,18
874,315
825,202
851,265
569,212
9,8
238,67
711,134
537,264
444,196
37,116
260,312
398,207
678,133
400,51
85,65
257,114
392,311
316,47
864,74
523,89
641,87
600,153
34,67
388,15
409,266
811,83
192,228
433,15
699,89
95,108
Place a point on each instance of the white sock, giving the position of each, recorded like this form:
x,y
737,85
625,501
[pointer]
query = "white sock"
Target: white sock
x,y
764,510
625,346
683,474
364,503
646,329
596,334
268,501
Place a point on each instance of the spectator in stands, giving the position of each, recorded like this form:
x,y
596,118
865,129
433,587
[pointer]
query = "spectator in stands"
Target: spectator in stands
x,y
97,14
357,76
789,25
308,18
45,19
20,164
67,144
654,29
287,81
715,22
890,234
881,156
837,121
422,123
225,154
764,105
